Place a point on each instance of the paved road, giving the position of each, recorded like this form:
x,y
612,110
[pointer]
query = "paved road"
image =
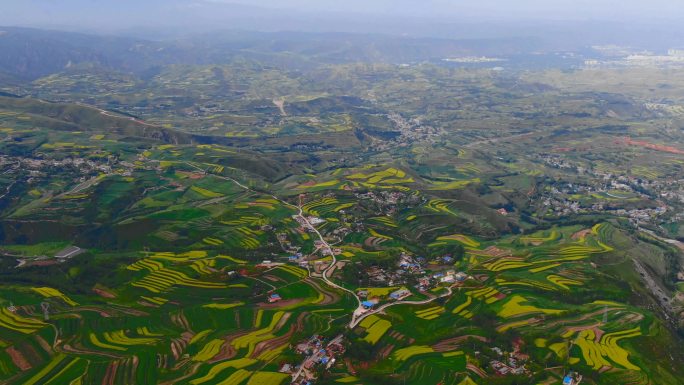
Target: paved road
x,y
355,320
315,357
357,316
662,297
334,258
85,185
499,139
673,242
300,214
7,190
109,114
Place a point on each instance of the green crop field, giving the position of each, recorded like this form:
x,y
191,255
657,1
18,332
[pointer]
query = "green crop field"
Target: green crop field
x,y
495,218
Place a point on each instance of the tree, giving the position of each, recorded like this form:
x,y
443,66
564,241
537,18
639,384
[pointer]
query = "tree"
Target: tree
x,y
361,350
455,250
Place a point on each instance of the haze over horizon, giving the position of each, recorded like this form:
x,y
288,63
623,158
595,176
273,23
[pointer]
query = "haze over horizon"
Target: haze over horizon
x,y
350,192
433,18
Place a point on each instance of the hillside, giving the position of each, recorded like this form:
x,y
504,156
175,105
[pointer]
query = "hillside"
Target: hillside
x,y
252,208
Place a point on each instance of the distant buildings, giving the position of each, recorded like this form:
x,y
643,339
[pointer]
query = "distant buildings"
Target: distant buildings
x,y
628,58
473,59
267,264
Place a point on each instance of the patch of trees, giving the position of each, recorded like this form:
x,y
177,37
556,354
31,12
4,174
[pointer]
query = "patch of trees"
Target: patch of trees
x,y
455,250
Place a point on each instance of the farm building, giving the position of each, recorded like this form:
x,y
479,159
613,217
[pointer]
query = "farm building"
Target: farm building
x,y
367,304
269,264
69,252
447,279
399,294
572,378
274,298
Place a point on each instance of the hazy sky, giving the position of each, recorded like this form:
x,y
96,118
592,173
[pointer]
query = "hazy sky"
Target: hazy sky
x,y
396,16
546,9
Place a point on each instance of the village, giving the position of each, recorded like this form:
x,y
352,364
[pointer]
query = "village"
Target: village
x,y
509,363
318,355
40,167
641,200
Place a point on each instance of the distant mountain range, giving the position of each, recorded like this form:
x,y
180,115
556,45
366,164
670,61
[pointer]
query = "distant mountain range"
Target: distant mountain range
x,y
27,54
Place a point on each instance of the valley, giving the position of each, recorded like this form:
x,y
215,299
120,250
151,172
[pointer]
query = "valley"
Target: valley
x,y
251,221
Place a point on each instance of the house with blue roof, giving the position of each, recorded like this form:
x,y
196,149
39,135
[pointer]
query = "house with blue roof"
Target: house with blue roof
x,y
274,298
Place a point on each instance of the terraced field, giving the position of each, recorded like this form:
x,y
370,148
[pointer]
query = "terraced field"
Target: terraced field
x,y
526,300
408,211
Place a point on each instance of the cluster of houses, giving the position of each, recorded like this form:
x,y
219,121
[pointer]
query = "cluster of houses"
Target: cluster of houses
x,y
39,166
513,363
409,265
380,276
369,303
316,344
386,202
415,266
286,244
661,191
449,276
411,131
572,378
385,197
299,259
342,231
303,223
316,353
